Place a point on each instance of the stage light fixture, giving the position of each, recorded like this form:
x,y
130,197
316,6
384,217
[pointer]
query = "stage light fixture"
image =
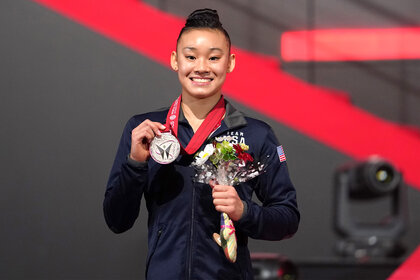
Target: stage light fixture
x,y
362,183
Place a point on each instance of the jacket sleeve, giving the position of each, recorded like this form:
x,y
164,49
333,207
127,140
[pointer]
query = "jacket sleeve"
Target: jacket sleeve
x,y
278,216
125,187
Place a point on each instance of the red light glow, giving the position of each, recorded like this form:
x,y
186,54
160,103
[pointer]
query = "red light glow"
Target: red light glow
x,y
351,44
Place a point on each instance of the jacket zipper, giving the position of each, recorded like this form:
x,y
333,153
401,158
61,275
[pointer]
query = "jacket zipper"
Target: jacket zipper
x,y
191,233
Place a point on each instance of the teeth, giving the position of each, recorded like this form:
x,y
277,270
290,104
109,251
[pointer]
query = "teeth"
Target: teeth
x,y
201,80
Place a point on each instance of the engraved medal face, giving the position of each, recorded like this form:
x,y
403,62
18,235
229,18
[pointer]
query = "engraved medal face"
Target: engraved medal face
x,y
164,149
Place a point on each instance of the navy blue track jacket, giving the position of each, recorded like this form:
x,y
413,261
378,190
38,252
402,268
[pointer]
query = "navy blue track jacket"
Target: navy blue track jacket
x,y
182,217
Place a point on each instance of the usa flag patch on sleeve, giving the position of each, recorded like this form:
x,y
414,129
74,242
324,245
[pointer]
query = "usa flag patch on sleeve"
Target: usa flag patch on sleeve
x,y
280,152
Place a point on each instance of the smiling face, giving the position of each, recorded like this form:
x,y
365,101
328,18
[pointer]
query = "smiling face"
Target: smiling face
x,y
202,61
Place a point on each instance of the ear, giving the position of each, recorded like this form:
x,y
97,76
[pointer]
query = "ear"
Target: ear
x,y
231,65
174,61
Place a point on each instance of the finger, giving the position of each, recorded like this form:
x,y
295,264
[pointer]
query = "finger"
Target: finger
x,y
149,124
222,202
220,188
143,137
157,128
160,126
224,209
144,133
221,195
149,135
217,188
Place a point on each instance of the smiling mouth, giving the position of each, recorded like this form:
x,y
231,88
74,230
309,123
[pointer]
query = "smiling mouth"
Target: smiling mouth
x,y
201,80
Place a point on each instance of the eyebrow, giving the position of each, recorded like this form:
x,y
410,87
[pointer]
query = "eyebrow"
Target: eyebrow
x,y
211,49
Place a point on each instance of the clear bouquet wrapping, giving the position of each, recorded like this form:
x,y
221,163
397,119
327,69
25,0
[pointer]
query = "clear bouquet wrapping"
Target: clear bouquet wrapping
x,y
226,164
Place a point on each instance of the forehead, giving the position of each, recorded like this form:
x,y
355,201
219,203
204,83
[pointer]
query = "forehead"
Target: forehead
x,y
203,38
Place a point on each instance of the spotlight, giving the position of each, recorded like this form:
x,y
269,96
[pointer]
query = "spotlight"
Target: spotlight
x,y
366,182
372,179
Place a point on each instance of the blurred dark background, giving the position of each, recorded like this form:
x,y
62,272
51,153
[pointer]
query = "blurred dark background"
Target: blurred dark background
x,y
67,92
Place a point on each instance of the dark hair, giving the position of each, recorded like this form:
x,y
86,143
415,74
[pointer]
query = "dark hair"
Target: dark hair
x,y
204,18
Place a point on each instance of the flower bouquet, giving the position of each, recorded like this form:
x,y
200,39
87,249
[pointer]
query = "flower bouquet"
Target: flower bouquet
x,y
226,164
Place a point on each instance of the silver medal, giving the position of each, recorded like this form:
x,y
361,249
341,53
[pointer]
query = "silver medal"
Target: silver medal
x,y
165,148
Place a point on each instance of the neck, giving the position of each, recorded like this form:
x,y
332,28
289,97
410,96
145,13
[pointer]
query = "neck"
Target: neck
x,y
196,110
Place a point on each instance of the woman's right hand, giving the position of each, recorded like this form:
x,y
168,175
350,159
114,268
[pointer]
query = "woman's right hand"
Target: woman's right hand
x,y
141,136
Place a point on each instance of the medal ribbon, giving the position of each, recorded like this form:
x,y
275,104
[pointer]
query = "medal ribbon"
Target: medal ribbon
x,y
210,123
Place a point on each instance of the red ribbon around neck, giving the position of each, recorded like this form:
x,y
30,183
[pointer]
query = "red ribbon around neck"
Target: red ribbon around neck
x,y
210,124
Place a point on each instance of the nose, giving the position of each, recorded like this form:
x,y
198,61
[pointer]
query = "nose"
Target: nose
x,y
202,66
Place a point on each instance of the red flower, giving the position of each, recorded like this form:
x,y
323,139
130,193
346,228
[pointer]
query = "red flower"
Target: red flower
x,y
238,149
242,155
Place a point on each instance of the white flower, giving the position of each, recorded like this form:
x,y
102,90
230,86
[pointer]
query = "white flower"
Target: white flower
x,y
209,148
204,155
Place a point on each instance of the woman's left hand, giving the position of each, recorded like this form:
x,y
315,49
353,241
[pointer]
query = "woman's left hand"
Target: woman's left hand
x,y
227,200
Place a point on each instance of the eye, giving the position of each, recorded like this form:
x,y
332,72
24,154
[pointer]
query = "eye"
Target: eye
x,y
214,58
190,57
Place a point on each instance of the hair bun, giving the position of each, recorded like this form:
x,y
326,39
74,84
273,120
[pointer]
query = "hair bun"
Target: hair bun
x,y
203,18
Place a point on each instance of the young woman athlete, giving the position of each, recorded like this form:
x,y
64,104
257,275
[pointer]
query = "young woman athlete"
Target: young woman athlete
x,y
183,214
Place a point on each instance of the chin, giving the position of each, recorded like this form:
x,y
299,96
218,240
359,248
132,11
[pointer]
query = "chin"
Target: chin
x,y
202,94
